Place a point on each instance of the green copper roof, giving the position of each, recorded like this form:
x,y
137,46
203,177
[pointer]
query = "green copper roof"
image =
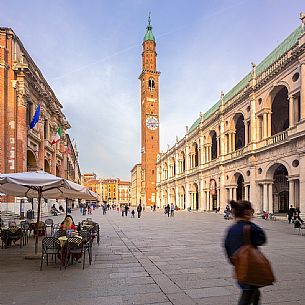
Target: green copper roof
x,y
280,50
149,34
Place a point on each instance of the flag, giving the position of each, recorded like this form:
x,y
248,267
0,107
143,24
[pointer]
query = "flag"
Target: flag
x,y
35,117
57,136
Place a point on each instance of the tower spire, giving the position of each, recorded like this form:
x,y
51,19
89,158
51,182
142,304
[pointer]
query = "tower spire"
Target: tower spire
x,y
149,34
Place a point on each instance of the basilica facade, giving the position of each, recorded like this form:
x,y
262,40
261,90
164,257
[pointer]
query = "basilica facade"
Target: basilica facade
x,y
249,145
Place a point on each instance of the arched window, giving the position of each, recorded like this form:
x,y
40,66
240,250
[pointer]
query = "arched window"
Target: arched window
x,y
214,145
151,84
239,132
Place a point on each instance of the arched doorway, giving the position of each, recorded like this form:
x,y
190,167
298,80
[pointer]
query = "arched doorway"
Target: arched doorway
x,y
195,197
213,193
182,198
47,166
31,161
281,190
279,110
240,187
239,131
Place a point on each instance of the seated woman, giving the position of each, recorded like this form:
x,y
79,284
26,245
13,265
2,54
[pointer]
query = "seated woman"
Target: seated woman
x,y
68,224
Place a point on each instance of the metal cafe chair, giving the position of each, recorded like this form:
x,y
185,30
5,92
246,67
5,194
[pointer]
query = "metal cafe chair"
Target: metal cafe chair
x,y
75,250
49,224
50,246
87,243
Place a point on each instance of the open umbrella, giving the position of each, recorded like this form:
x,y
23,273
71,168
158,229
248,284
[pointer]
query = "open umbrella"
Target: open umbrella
x,y
40,184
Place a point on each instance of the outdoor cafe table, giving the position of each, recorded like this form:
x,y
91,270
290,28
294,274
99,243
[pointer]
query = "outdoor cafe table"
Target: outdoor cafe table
x,y
62,241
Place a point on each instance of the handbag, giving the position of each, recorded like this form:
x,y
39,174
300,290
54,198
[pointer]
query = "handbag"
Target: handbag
x,y
251,265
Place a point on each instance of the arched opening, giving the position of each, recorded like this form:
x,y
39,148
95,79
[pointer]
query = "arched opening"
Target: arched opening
x,y
239,131
195,148
213,193
151,84
214,145
165,171
240,188
281,190
182,198
182,162
165,198
173,167
280,111
172,196
47,166
31,161
194,194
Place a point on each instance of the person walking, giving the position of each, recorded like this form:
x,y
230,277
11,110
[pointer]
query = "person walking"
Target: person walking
x,y
290,213
167,209
242,211
132,213
139,210
126,209
104,208
172,209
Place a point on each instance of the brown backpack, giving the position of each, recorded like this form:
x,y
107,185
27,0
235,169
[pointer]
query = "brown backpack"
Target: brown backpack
x,y
251,265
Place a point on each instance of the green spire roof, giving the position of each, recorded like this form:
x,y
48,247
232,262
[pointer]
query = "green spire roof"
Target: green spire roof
x,y
149,34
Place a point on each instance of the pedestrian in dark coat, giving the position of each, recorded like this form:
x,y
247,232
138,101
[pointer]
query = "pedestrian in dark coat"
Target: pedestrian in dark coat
x,y
243,212
290,213
139,210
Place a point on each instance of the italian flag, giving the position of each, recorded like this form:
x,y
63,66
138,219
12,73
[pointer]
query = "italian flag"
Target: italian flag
x,y
57,136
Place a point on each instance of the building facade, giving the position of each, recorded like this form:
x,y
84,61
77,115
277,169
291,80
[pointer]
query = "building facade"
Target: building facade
x,y
112,191
22,89
249,145
135,185
149,79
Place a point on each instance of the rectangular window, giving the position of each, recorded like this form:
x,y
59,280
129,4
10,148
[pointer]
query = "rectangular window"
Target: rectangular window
x,y
29,112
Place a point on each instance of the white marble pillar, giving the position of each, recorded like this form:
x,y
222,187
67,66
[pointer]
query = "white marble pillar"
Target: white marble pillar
x,y
269,124
265,197
233,141
218,198
230,193
291,111
208,200
187,201
234,193
264,125
246,192
246,132
291,193
270,198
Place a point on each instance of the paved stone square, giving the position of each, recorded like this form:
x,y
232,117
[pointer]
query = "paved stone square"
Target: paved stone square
x,y
154,260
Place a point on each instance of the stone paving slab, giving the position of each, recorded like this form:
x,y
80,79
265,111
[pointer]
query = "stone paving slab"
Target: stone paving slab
x,y
154,260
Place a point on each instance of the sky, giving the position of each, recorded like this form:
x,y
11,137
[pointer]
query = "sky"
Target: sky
x,y
90,54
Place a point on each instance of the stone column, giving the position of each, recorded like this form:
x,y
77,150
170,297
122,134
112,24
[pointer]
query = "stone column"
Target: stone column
x,y
187,200
270,198
208,200
201,195
218,198
230,193
269,124
218,146
230,142
291,193
233,141
234,193
246,192
265,126
246,132
291,111
177,195
265,197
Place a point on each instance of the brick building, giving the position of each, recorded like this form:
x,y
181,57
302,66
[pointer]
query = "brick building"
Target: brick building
x,y
22,89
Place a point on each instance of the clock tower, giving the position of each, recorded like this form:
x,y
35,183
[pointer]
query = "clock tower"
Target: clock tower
x,y
149,118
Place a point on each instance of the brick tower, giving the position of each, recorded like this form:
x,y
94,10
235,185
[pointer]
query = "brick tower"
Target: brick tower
x,y
149,118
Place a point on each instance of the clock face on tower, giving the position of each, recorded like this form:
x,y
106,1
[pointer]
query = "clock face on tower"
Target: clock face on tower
x,y
152,123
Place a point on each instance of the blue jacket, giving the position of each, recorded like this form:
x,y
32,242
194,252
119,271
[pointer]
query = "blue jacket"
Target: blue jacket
x,y
234,239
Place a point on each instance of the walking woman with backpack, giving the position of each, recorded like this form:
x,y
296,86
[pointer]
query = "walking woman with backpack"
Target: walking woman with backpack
x,y
252,269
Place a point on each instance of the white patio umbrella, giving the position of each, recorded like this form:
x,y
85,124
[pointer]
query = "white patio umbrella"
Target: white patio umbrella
x,y
41,184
